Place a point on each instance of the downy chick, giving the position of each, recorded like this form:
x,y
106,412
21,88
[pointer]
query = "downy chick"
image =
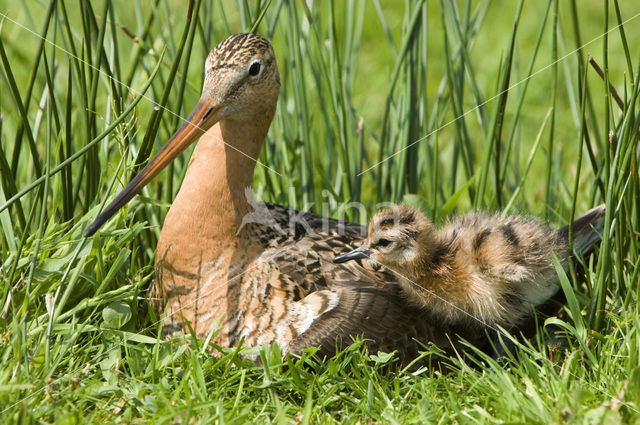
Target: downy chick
x,y
478,268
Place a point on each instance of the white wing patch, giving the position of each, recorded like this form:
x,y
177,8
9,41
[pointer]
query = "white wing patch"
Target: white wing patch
x,y
311,307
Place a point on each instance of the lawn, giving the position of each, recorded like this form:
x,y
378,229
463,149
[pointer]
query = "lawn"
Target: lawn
x,y
449,106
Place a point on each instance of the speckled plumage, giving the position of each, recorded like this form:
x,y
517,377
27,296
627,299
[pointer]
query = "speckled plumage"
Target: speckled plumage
x,y
292,292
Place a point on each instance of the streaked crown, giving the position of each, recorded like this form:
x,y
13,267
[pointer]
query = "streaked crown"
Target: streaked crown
x,y
399,222
395,234
241,73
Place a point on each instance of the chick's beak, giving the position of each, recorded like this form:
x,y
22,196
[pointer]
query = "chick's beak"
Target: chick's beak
x,y
357,253
206,113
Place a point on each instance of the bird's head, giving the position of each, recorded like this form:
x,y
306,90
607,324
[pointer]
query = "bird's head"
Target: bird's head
x,y
396,238
241,79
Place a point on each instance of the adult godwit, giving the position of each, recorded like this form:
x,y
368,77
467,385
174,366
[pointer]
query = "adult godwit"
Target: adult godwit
x,y
271,277
479,268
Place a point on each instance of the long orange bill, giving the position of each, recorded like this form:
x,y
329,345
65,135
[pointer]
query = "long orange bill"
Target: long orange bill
x,y
205,114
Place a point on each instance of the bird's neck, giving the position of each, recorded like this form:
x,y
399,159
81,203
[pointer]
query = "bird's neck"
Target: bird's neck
x,y
435,280
207,212
201,254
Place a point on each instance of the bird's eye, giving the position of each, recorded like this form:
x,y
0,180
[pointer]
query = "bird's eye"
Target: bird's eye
x,y
255,69
384,242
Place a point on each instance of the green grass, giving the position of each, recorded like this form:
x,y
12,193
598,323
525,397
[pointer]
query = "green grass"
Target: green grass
x,y
362,82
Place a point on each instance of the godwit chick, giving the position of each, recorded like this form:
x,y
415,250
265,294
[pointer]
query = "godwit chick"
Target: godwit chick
x,y
478,268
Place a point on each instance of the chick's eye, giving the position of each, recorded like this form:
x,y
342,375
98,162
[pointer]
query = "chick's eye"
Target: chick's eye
x,y
254,69
384,242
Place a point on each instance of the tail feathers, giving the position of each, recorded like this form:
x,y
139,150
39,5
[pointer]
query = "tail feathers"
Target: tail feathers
x,y
587,230
587,233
